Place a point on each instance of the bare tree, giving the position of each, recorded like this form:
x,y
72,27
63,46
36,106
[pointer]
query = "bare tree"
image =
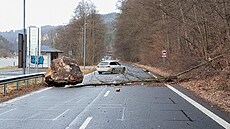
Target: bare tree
x,y
191,31
70,37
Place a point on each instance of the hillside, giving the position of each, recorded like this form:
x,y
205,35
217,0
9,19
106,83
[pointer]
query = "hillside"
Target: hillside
x,y
109,18
6,47
48,30
13,34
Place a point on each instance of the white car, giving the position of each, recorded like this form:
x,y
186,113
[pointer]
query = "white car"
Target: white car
x,y
111,66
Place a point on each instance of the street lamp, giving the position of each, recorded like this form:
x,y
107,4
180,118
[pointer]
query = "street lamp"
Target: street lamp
x,y
24,37
84,34
84,45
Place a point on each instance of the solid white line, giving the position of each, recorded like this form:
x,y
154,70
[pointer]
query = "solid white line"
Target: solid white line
x,y
123,114
7,111
60,115
84,125
152,75
213,116
19,98
107,93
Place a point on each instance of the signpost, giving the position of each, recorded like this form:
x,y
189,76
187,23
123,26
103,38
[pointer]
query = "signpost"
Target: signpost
x,y
34,46
164,55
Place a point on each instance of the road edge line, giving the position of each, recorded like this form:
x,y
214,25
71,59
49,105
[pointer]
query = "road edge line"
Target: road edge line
x,y
210,114
27,95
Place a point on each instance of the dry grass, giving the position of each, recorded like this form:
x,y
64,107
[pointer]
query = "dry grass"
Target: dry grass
x,y
164,73
88,70
12,91
211,91
8,67
215,90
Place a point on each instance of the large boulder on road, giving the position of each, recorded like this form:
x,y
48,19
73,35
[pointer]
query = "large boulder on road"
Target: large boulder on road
x,y
63,71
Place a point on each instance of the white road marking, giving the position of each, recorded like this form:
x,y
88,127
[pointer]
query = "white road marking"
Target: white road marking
x,y
152,75
74,122
22,97
36,99
123,112
107,93
213,116
32,116
60,115
84,125
7,111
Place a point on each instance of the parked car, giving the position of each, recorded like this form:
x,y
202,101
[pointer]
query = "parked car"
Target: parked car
x,y
111,66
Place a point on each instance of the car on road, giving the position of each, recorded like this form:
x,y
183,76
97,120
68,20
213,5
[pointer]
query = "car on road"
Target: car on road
x,y
111,66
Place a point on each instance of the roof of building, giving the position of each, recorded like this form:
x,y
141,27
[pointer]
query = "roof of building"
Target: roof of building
x,y
48,49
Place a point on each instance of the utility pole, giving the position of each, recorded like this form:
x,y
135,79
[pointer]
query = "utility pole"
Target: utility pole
x,y
84,33
24,37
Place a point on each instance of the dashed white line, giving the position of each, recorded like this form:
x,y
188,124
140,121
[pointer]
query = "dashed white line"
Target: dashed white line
x,y
210,114
75,121
107,93
84,125
7,111
60,115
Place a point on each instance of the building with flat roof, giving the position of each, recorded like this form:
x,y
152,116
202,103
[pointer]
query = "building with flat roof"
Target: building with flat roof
x,y
49,54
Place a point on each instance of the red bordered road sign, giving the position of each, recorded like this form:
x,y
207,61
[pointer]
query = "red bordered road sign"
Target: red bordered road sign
x,y
164,53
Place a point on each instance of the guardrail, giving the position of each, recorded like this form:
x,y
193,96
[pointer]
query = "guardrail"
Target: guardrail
x,y
26,77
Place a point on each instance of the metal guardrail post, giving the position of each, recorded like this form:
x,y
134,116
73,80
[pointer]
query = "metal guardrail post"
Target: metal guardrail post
x,y
23,78
17,85
43,81
4,89
27,82
35,81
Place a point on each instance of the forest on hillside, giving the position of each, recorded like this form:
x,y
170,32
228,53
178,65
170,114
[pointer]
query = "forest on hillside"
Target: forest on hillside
x,y
191,31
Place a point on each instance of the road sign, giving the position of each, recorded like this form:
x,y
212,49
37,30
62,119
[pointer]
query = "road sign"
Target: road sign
x,y
34,41
37,60
164,53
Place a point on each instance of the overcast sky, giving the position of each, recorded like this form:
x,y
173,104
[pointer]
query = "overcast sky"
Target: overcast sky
x,y
44,12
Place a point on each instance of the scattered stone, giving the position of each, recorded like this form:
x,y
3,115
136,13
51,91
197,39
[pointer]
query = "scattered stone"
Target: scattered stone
x,y
63,71
118,89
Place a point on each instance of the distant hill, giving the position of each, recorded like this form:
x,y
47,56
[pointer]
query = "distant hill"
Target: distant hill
x,y
6,47
48,31
109,18
13,34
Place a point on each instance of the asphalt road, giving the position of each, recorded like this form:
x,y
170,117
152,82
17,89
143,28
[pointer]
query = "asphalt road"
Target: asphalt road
x,y
132,73
101,107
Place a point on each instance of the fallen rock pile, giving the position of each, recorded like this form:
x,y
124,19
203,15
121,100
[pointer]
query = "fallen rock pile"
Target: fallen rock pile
x,y
63,71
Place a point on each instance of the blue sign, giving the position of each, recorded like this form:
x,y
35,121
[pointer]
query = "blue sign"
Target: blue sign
x,y
39,60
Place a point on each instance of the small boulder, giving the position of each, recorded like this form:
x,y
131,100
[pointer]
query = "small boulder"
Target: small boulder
x,y
63,71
